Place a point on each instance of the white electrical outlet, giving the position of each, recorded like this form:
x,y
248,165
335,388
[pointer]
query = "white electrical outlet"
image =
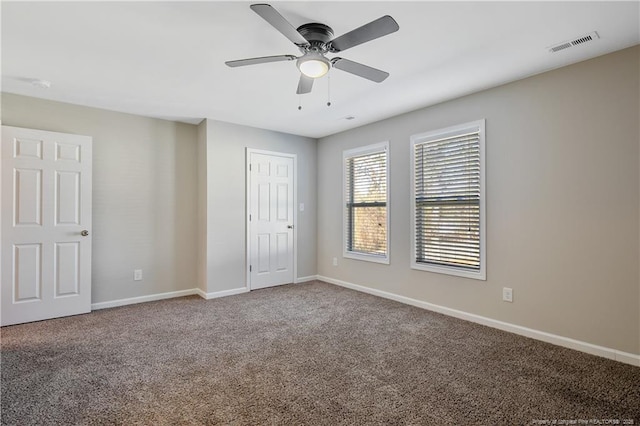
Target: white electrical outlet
x,y
335,261
507,294
301,207
137,275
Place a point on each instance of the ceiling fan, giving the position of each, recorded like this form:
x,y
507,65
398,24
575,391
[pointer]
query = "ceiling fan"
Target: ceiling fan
x,y
316,40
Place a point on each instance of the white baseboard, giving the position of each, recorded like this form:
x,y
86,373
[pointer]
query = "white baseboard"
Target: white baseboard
x,y
614,354
142,299
305,279
223,293
168,295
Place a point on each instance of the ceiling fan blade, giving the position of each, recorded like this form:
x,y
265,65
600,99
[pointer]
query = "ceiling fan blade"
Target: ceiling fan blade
x,y
261,60
360,70
276,20
371,31
304,85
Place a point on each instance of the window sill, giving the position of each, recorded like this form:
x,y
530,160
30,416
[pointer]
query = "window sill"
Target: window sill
x,y
476,275
366,257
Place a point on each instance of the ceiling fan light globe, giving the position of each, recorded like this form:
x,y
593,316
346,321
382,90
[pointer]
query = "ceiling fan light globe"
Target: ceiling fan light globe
x,y
314,68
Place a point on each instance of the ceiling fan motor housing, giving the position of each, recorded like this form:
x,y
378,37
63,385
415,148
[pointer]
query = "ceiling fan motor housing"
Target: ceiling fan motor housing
x,y
318,36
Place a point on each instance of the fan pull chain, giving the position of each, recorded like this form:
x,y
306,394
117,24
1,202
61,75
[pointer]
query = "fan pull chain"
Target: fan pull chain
x,y
329,89
299,102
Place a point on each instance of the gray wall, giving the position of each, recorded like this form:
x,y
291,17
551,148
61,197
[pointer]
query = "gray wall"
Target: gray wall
x,y
144,194
225,187
562,203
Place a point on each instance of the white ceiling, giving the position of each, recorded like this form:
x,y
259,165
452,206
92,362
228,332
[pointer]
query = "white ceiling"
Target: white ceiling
x,y
166,59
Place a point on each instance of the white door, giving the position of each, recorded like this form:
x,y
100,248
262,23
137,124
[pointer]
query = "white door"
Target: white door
x,y
46,219
271,219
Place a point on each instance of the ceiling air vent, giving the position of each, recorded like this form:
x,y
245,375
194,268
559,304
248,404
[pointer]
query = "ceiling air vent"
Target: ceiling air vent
x,y
580,40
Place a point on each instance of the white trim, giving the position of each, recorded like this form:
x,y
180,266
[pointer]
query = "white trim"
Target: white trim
x,y
248,153
614,354
368,257
247,229
627,358
356,152
168,295
479,126
305,279
223,293
142,299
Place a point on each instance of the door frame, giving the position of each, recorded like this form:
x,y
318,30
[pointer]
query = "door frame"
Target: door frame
x,y
249,152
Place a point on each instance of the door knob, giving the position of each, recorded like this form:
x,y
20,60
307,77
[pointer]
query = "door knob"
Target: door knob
x,y
290,226
84,233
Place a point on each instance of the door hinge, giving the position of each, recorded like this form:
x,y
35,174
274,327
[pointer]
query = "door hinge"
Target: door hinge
x,y
249,218
250,268
249,166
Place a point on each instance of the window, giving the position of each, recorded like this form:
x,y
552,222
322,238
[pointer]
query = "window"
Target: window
x,y
448,201
366,218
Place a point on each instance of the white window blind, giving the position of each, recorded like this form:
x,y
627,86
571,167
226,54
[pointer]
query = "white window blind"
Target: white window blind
x,y
366,216
448,205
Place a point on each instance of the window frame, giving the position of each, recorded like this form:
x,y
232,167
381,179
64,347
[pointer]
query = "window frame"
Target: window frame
x,y
452,131
356,152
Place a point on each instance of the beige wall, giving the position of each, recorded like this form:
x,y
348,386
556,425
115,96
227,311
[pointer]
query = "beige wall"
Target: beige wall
x,y
144,194
563,200
202,206
225,188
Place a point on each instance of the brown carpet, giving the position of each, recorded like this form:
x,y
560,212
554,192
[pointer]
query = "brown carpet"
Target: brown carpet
x,y
299,354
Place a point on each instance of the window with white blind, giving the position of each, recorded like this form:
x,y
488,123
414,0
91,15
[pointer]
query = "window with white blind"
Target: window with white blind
x,y
366,216
448,201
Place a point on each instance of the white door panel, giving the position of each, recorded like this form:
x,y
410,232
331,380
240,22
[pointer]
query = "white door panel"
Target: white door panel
x,y
46,204
67,269
27,270
271,223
